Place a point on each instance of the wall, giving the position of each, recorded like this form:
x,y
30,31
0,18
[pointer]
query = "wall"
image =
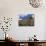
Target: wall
x,y
11,8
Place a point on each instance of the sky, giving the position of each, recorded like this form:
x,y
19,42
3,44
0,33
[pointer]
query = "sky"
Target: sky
x,y
25,16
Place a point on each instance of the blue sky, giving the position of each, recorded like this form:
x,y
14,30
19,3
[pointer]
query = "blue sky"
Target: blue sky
x,y
25,16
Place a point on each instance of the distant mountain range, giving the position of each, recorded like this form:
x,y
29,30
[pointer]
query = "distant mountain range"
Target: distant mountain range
x,y
25,16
